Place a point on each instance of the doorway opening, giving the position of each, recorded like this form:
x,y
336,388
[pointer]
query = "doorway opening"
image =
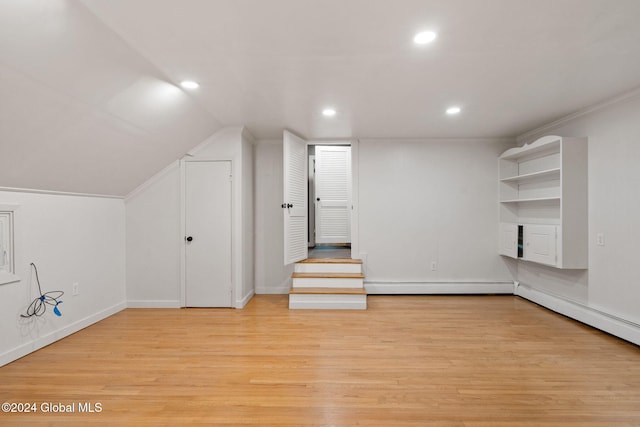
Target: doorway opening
x,y
330,201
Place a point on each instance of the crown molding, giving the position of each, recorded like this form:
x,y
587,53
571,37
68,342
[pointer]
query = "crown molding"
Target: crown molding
x,y
583,112
58,193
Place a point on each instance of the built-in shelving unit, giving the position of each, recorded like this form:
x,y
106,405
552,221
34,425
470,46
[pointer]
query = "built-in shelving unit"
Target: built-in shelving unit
x,y
543,202
534,176
535,199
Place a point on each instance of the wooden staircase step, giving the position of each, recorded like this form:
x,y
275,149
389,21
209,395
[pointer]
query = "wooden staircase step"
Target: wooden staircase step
x,y
342,291
330,261
327,276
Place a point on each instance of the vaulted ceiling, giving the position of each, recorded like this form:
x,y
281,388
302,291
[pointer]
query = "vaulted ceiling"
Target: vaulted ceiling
x,y
90,101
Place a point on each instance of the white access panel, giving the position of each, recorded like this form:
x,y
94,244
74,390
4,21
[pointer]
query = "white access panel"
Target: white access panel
x,y
540,244
294,206
508,240
208,224
333,194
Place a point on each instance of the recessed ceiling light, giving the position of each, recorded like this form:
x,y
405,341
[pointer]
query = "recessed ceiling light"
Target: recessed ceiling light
x,y
424,37
453,110
188,84
329,112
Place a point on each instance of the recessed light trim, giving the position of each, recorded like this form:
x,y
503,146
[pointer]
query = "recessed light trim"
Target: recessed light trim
x,y
453,110
329,112
424,37
189,84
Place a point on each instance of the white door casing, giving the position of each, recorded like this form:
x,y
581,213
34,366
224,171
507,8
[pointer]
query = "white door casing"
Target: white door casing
x,y
333,194
208,279
295,202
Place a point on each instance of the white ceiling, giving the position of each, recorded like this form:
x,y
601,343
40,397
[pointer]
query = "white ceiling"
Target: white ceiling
x,y
88,103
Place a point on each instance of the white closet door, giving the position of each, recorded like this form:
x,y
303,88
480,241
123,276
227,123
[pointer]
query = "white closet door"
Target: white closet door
x,y
294,206
208,234
540,244
333,194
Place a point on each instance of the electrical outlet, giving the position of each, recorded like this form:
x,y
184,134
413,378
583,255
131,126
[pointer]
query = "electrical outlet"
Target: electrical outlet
x,y
600,239
434,265
75,289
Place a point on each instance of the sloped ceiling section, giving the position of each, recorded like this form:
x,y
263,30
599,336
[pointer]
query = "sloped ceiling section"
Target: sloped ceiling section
x,y
88,101
512,65
80,110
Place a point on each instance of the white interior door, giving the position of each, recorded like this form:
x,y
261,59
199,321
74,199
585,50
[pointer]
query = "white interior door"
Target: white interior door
x,y
333,194
208,234
294,206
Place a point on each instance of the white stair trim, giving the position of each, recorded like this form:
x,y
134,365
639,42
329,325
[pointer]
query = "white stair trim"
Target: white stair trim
x,y
328,301
327,282
310,267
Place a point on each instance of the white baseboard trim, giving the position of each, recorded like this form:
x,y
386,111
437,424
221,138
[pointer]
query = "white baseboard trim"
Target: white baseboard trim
x,y
280,290
600,320
444,288
153,304
242,302
50,338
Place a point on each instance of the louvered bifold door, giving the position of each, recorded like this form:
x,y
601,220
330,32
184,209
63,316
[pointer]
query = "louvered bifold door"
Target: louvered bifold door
x,y
333,194
294,205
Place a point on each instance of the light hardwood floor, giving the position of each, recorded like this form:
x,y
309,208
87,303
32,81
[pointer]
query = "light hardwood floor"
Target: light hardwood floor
x,y
407,360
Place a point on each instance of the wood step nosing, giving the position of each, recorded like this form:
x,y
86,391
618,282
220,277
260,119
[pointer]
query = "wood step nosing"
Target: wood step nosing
x,y
327,291
297,275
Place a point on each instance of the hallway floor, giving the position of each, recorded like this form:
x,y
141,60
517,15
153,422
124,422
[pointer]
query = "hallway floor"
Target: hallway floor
x,y
329,251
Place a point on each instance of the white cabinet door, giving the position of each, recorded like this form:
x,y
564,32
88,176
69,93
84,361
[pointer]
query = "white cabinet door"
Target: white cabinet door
x,y
508,240
540,244
295,198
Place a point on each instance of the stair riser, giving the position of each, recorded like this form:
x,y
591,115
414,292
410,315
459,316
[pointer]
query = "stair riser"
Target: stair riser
x,y
328,301
327,283
328,268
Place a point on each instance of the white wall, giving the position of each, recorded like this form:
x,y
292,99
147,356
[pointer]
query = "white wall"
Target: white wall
x,y
153,242
154,237
419,200
610,284
430,200
71,239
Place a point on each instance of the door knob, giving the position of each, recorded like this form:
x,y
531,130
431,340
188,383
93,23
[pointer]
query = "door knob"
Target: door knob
x,y
189,238
289,205
318,199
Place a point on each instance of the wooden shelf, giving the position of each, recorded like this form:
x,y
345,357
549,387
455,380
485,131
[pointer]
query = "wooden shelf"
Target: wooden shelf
x,y
535,176
537,199
542,147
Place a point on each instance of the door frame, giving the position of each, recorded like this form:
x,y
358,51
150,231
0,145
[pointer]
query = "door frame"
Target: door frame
x,y
313,205
355,155
183,213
